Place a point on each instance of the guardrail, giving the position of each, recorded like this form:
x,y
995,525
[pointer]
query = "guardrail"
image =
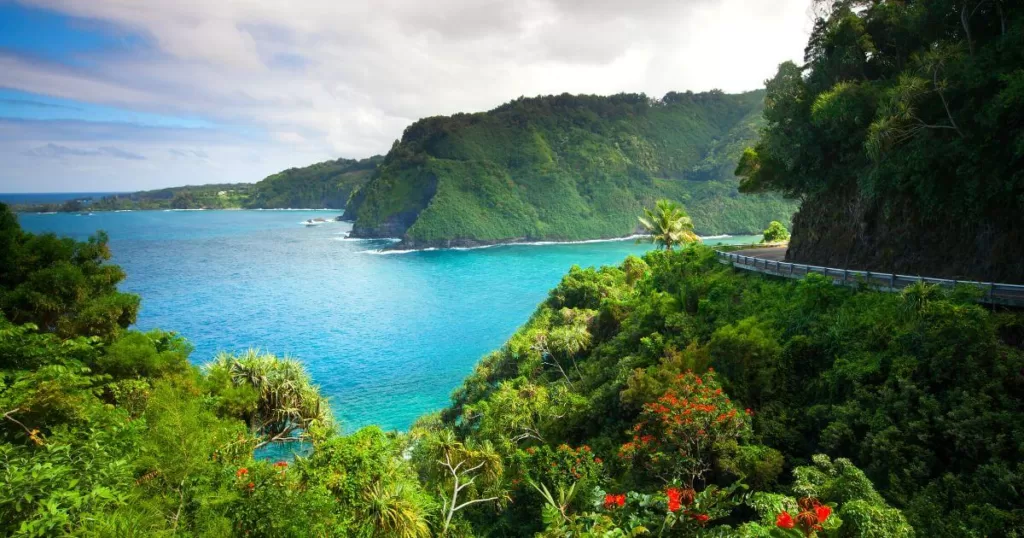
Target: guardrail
x,y
993,292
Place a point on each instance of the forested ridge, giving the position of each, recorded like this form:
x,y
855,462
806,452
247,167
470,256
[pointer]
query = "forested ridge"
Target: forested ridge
x,y
566,167
322,185
903,135
669,396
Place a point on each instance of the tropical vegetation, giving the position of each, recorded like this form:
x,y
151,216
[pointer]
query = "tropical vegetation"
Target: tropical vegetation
x,y
905,117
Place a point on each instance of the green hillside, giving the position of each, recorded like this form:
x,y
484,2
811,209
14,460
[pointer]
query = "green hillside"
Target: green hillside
x,y
326,184
566,167
322,185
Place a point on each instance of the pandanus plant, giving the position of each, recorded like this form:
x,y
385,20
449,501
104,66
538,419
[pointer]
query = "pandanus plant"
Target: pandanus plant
x,y
288,403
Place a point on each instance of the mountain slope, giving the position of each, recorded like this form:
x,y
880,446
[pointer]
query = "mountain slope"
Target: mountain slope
x,y
565,167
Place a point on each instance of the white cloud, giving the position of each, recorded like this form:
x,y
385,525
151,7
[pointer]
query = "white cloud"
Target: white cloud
x,y
344,78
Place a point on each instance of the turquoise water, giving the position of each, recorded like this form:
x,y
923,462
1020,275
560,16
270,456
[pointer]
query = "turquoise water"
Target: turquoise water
x,y
387,337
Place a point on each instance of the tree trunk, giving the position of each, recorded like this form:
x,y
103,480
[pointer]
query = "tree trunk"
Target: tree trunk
x,y
965,21
1002,17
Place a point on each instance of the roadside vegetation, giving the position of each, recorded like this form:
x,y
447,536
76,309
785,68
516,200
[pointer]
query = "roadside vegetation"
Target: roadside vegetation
x,y
775,233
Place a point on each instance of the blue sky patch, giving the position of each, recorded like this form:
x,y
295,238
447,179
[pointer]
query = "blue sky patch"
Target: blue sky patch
x,y
56,37
15,104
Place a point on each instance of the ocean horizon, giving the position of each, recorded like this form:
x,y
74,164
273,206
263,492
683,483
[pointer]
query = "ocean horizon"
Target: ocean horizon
x,y
50,197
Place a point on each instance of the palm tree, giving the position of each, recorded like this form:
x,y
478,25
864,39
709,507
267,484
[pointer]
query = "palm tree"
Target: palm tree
x,y
668,225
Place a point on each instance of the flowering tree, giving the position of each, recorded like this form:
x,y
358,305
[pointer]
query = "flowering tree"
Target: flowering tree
x,y
676,433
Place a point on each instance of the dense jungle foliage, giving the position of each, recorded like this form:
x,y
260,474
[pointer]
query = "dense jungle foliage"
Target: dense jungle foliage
x,y
906,116
567,167
322,185
670,396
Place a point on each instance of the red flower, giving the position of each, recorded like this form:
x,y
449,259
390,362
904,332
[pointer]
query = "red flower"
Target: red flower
x,y
784,521
611,501
674,499
281,464
598,461
822,512
251,486
241,472
701,518
749,412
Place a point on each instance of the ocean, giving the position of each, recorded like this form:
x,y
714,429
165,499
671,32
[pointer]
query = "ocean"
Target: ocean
x,y
387,337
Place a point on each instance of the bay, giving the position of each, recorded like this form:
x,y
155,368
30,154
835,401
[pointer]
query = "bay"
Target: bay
x,y
386,336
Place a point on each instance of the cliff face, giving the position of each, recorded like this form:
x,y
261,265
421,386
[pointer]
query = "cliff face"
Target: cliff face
x,y
845,231
566,168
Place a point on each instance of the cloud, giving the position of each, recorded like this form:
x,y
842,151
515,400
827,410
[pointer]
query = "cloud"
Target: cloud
x,y
57,151
345,78
120,153
188,153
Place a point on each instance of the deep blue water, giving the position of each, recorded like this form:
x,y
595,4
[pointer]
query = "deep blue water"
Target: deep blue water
x,y
387,337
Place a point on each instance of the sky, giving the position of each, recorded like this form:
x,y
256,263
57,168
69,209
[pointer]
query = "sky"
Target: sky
x,y
123,95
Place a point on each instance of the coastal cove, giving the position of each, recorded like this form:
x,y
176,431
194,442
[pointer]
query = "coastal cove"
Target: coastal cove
x,y
387,337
